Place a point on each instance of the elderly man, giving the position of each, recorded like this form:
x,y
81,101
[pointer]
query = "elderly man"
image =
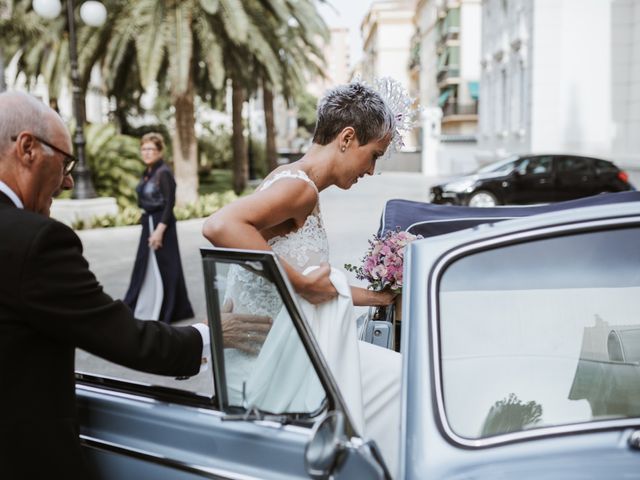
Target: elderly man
x,y
51,303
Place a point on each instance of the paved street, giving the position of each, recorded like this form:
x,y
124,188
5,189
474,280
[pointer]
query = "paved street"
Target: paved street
x,y
350,217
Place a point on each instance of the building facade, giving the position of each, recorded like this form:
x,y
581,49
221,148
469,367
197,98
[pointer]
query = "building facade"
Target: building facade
x,y
561,76
447,35
387,31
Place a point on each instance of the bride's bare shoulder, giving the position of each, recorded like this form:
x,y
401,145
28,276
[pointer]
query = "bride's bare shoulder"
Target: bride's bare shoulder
x,y
287,176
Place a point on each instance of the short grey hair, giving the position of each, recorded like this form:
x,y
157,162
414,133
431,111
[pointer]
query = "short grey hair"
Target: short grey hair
x,y
353,105
20,111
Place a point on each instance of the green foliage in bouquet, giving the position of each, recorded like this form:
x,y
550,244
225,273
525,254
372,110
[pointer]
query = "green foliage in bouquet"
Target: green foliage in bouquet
x,y
114,160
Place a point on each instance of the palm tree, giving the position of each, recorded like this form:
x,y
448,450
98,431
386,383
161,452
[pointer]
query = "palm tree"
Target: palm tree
x,y
17,24
187,49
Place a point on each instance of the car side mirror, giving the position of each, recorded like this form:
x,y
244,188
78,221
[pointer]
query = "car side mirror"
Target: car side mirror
x,y
326,446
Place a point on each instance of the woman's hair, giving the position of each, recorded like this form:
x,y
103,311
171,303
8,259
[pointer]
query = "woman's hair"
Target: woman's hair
x,y
353,105
155,138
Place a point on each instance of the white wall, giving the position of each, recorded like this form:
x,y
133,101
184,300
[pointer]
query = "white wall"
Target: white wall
x,y
625,22
580,89
571,102
470,39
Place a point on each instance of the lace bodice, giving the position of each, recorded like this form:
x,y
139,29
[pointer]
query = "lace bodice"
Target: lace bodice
x,y
301,248
308,245
254,295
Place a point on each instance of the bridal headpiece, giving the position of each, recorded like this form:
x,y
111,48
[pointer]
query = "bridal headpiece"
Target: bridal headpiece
x,y
401,105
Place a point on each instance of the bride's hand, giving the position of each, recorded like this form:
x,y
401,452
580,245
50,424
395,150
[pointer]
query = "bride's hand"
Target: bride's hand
x,y
317,286
384,297
363,297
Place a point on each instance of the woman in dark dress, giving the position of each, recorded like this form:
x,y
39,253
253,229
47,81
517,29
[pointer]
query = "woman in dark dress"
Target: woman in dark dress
x,y
157,290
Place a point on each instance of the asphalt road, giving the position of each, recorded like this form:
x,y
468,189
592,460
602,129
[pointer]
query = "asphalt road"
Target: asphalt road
x,y
350,217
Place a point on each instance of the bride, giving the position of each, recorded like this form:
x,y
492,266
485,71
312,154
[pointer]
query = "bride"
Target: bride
x,y
354,128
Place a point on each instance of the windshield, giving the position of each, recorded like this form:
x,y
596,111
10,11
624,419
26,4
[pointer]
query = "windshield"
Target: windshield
x,y
501,166
542,333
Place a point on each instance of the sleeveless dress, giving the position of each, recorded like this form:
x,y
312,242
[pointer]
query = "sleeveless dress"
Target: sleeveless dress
x,y
368,375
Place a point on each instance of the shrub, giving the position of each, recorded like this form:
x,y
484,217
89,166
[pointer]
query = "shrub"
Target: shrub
x,y
114,160
203,207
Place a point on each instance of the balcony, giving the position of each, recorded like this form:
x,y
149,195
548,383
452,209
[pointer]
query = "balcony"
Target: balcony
x,y
451,35
447,73
457,109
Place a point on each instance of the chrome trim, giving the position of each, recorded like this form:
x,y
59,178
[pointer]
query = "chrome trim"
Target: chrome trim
x,y
458,219
145,399
117,448
297,429
433,315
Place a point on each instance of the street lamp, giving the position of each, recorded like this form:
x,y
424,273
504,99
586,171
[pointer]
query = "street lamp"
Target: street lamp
x,y
94,14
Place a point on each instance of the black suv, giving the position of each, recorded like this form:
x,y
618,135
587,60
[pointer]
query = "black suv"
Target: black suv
x,y
526,179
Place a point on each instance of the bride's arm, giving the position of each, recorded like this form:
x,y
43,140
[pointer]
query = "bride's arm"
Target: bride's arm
x,y
370,298
238,225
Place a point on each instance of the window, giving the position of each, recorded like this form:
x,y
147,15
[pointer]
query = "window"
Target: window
x,y
535,166
602,166
269,368
542,333
574,165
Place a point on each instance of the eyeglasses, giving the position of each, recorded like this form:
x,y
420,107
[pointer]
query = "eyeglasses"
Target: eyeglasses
x,y
69,160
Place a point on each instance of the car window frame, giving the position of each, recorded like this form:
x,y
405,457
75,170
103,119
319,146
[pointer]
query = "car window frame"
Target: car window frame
x,y
334,399
589,161
434,320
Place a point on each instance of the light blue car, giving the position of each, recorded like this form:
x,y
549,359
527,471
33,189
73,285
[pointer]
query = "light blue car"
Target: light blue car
x,y
521,360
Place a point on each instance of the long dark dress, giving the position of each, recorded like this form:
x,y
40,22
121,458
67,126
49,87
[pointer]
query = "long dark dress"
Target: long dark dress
x,y
156,196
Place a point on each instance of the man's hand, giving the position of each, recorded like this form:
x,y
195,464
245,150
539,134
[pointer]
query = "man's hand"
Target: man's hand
x,y
317,287
243,331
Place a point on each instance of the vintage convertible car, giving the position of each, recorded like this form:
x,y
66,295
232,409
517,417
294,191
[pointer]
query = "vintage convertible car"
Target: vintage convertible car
x,y
521,359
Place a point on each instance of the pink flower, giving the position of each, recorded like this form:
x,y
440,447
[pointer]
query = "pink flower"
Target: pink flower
x,y
383,262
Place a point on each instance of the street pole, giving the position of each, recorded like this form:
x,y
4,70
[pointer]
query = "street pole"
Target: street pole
x,y
83,184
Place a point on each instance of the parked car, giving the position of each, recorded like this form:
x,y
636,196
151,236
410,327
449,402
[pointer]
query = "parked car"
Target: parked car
x,y
521,359
529,179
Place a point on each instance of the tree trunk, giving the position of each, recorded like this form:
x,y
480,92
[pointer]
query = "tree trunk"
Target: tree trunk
x,y
3,84
272,155
240,159
185,147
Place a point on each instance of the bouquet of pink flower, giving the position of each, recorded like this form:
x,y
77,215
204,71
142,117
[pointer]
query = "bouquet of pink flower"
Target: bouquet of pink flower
x,y
382,264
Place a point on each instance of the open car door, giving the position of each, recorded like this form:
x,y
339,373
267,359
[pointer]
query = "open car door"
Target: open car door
x,y
266,408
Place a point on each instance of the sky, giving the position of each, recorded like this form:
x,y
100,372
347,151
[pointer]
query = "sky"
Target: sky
x,y
347,13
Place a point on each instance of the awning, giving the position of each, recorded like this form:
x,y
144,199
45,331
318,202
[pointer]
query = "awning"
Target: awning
x,y
443,97
474,90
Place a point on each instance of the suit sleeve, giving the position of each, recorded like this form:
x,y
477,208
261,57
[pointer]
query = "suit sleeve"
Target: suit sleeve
x,y
63,300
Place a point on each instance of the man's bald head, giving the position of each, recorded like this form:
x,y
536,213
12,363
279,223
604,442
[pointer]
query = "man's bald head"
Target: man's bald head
x,y
32,169
23,112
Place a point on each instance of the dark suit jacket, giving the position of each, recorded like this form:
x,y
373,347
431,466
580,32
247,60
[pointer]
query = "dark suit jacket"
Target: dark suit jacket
x,y
51,303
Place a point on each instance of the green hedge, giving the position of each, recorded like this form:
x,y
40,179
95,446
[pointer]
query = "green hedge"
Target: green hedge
x,y
205,206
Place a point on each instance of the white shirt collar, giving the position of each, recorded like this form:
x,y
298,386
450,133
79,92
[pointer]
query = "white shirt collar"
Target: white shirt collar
x,y
11,194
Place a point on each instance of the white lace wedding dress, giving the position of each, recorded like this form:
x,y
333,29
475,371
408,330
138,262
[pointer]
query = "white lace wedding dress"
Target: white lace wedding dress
x,y
368,375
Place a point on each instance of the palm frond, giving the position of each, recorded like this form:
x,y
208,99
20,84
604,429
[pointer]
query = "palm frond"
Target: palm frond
x,y
180,47
211,51
150,39
235,20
